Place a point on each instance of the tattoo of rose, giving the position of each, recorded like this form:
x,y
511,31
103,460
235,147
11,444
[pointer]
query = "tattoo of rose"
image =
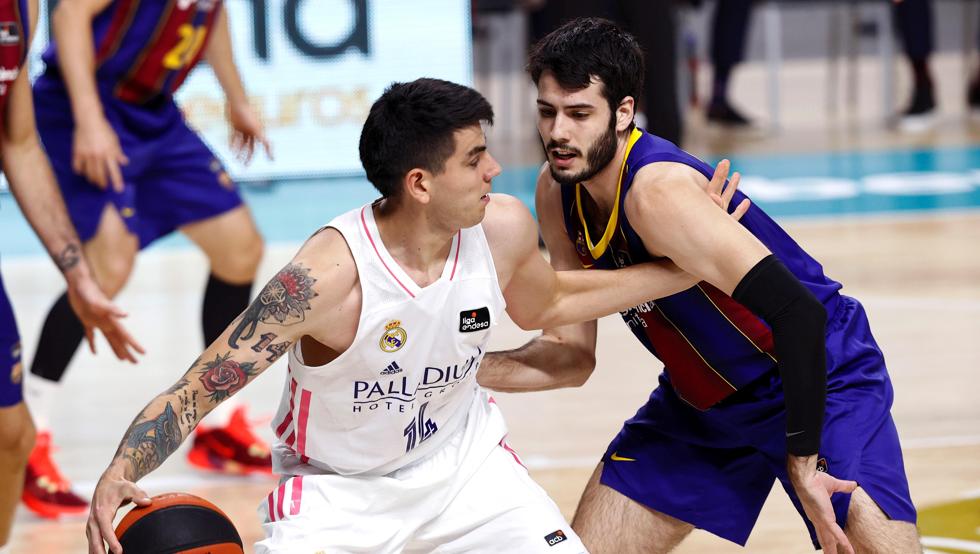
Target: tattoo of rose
x,y
224,376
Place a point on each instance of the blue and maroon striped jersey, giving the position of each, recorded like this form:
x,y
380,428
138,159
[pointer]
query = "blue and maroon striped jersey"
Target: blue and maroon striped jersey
x,y
146,48
14,42
710,344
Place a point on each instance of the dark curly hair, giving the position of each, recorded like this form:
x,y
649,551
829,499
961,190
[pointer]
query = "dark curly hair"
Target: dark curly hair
x,y
584,49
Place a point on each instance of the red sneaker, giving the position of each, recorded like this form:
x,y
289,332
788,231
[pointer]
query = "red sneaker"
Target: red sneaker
x,y
46,492
233,448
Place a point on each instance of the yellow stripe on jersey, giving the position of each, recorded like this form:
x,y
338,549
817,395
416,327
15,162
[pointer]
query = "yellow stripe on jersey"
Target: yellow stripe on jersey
x,y
599,249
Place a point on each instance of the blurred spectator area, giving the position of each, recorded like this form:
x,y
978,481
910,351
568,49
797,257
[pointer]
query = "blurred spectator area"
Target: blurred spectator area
x,y
810,67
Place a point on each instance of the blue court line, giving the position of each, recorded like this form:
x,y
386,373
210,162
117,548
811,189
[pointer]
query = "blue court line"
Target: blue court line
x,y
786,186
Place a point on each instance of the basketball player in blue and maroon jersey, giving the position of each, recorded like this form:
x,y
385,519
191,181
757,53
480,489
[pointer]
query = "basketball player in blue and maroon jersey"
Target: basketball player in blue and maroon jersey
x,y
770,373
132,171
33,185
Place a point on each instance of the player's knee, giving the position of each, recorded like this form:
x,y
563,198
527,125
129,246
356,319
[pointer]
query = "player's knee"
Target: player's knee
x,y
240,264
252,255
114,273
16,439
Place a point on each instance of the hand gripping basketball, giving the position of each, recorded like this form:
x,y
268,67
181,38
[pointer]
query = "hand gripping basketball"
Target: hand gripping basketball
x,y
111,493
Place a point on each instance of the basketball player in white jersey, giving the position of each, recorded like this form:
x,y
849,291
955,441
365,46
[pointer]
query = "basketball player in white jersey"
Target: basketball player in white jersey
x,y
385,441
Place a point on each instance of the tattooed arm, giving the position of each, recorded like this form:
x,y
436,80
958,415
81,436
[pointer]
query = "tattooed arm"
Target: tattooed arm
x,y
33,185
316,294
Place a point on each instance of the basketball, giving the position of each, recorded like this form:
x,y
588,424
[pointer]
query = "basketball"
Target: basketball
x,y
178,523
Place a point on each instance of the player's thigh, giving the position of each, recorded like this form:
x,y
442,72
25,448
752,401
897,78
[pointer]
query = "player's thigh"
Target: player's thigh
x,y
608,521
870,530
16,431
499,508
11,366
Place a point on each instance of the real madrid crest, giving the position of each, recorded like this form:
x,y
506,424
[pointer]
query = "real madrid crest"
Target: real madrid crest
x,y
394,336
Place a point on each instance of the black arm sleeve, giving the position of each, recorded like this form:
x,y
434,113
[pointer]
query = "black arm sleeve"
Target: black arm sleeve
x,y
798,321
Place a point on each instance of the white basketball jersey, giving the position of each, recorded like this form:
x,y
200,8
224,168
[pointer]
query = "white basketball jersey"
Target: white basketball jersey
x,y
408,381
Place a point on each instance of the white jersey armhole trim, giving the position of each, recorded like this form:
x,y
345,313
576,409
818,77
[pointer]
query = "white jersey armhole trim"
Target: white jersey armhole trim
x,y
297,349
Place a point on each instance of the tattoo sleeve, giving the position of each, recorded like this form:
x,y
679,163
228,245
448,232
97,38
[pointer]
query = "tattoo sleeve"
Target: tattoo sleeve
x,y
150,442
283,301
160,428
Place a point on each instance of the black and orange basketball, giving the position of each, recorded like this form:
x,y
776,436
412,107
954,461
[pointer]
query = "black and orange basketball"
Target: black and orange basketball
x,y
177,522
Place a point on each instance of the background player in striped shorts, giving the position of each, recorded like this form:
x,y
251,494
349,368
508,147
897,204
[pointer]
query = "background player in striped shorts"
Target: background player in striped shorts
x,y
33,185
727,418
132,171
386,442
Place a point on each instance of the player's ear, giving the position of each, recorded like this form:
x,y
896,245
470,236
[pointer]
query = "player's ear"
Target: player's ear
x,y
417,185
625,113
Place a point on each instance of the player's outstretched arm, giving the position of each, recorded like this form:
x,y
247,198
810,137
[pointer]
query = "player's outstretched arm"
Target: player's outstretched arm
x,y
33,185
665,206
565,356
538,297
302,299
96,152
247,128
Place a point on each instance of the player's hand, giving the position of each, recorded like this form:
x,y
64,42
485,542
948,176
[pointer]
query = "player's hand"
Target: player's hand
x,y
814,489
246,130
96,311
724,197
110,494
96,153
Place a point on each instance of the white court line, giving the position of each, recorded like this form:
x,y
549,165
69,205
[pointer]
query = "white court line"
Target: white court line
x,y
831,219
922,303
970,495
921,443
952,544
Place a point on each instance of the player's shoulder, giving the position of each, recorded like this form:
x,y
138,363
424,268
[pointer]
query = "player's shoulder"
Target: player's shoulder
x,y
505,213
507,224
328,259
659,180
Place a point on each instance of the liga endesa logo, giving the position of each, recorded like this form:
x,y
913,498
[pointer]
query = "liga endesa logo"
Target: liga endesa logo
x,y
474,320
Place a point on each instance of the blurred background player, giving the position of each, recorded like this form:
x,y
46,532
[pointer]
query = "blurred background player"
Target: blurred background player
x,y
33,184
729,29
914,22
726,420
132,171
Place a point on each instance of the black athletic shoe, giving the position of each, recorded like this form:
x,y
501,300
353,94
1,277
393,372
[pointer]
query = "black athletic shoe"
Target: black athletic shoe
x,y
723,113
921,113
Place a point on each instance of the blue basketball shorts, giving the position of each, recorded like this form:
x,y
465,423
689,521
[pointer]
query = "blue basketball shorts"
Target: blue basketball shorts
x,y
11,370
172,178
714,469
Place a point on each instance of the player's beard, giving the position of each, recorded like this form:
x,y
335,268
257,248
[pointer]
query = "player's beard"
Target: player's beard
x,y
601,153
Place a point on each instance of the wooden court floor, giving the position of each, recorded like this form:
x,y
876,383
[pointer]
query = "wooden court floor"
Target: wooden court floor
x,y
918,276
